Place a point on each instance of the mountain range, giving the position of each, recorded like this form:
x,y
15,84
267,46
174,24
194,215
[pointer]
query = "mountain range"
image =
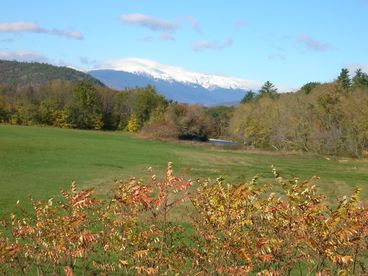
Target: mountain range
x,y
173,82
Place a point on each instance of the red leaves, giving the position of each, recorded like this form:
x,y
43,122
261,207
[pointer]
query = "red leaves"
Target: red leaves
x,y
279,206
83,199
68,271
184,185
266,258
234,230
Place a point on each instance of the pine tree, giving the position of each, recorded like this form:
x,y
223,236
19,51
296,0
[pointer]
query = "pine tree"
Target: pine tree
x,y
360,79
268,89
344,78
308,87
249,96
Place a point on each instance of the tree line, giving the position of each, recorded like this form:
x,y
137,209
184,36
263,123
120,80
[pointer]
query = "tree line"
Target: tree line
x,y
328,118
85,105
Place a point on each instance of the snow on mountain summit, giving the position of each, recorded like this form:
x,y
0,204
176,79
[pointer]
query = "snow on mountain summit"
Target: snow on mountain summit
x,y
173,73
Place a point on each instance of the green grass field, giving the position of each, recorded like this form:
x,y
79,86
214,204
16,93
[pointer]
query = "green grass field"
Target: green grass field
x,y
42,161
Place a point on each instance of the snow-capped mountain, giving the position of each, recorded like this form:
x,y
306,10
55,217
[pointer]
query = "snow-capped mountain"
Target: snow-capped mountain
x,y
173,82
174,73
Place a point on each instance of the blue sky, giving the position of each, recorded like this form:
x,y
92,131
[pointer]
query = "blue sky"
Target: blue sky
x,y
289,42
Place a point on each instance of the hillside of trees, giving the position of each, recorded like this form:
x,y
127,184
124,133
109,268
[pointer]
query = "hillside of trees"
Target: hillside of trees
x,y
329,118
37,74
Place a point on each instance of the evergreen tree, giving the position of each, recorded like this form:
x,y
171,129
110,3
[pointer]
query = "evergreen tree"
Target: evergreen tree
x,y
249,96
344,78
308,87
268,89
360,79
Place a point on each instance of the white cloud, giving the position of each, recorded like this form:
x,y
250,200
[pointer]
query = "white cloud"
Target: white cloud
x,y
68,34
23,56
152,23
164,27
32,27
201,45
16,27
313,44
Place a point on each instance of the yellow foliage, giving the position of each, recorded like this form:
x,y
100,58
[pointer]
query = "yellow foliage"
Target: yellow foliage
x,y
235,230
133,125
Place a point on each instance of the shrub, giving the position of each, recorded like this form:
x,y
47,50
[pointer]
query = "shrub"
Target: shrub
x,y
236,229
191,121
159,130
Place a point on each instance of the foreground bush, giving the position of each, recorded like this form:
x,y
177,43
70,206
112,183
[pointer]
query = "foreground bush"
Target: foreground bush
x,y
234,229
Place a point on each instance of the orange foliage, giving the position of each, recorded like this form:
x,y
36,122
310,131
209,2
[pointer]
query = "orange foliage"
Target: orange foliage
x,y
237,230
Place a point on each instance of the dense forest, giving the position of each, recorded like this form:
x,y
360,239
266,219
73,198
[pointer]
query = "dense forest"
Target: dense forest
x,y
328,118
87,106
36,74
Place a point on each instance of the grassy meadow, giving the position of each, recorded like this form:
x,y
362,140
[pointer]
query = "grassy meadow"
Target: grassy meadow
x,y
40,161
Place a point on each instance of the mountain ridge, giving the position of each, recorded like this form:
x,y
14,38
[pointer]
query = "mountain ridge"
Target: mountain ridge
x,y
156,70
37,74
190,93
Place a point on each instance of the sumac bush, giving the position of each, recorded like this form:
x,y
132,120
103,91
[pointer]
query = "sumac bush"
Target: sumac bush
x,y
273,228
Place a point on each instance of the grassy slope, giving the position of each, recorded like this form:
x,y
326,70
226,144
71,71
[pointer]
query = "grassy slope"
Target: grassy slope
x,y
41,161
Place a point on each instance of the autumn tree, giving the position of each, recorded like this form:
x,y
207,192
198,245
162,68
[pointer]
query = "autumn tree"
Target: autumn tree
x,y
2,110
326,121
191,121
221,116
85,110
133,124
147,102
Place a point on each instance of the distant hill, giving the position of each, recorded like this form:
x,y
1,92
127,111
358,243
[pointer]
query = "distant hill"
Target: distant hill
x,y
36,74
184,92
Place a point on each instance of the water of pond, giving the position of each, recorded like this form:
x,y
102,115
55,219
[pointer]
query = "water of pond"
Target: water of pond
x,y
221,142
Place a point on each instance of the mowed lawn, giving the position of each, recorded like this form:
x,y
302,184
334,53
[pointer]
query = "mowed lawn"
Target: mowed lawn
x,y
40,161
